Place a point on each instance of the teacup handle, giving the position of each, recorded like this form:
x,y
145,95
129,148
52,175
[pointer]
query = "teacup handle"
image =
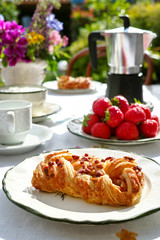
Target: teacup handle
x,y
11,121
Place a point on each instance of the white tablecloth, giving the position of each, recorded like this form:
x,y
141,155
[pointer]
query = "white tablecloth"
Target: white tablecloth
x,y
18,224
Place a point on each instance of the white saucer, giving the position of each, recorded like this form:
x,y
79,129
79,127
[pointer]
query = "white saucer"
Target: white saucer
x,y
37,135
52,85
46,110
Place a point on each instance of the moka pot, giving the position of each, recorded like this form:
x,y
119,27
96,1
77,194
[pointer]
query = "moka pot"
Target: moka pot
x,y
125,48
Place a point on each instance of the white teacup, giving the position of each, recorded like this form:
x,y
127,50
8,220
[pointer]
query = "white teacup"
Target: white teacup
x,y
15,120
32,93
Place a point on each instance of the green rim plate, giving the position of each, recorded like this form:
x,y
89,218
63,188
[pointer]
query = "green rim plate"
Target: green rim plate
x,y
74,210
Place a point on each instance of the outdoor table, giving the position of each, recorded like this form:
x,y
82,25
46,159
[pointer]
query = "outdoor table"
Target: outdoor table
x,y
18,224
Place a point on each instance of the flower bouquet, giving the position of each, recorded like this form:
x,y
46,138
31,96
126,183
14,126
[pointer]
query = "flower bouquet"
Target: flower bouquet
x,y
42,40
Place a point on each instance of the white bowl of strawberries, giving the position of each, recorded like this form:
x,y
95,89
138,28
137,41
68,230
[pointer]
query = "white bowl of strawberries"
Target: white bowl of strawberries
x,y
116,117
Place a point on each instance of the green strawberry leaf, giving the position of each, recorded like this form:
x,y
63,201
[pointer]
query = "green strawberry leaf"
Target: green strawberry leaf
x,y
115,102
107,115
85,120
137,101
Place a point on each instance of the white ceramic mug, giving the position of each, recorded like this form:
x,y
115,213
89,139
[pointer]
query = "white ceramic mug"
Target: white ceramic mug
x,y
32,93
15,121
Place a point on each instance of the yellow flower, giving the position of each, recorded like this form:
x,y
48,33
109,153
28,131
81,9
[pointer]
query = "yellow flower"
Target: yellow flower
x,y
34,38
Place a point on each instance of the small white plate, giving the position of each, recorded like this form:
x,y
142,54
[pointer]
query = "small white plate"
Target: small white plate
x,y
52,85
46,110
75,127
37,135
62,208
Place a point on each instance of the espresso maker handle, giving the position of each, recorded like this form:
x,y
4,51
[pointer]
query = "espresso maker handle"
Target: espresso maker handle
x,y
126,21
92,38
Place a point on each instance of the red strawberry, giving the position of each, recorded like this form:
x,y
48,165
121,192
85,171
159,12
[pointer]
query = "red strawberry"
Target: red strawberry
x,y
145,109
149,128
121,102
100,105
135,115
127,131
100,130
154,117
114,116
88,122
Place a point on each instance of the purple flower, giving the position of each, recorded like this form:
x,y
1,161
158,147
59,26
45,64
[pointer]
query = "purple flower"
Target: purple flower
x,y
1,24
14,27
1,48
53,23
13,60
16,51
12,31
2,29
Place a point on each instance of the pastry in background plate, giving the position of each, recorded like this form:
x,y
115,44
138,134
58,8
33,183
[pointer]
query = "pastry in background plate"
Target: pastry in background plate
x,y
69,82
109,181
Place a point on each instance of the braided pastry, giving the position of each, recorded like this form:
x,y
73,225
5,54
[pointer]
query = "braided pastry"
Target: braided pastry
x,y
68,82
102,181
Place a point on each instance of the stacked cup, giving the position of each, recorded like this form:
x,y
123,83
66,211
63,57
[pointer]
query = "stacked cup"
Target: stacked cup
x,y
32,93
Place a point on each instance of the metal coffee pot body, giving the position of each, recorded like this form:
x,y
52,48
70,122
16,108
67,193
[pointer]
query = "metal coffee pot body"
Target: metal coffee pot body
x,y
125,47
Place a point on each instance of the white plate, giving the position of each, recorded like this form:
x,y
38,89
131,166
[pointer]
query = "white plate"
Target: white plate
x,y
46,110
75,127
37,135
74,210
52,85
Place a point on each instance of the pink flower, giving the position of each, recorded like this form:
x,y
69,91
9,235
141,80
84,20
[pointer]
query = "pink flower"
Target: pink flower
x,y
50,49
65,41
55,38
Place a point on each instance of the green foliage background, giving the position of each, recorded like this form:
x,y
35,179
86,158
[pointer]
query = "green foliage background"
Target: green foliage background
x,y
9,10
146,16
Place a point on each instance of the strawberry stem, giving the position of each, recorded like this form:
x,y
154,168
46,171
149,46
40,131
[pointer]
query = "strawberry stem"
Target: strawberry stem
x,y
107,115
115,102
85,120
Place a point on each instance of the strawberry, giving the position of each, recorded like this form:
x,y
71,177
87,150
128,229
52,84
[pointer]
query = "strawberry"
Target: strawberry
x,y
149,128
100,130
127,131
88,121
155,117
145,109
121,102
114,116
100,105
135,115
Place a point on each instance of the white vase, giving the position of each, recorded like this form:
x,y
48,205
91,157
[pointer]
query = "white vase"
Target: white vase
x,y
32,73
